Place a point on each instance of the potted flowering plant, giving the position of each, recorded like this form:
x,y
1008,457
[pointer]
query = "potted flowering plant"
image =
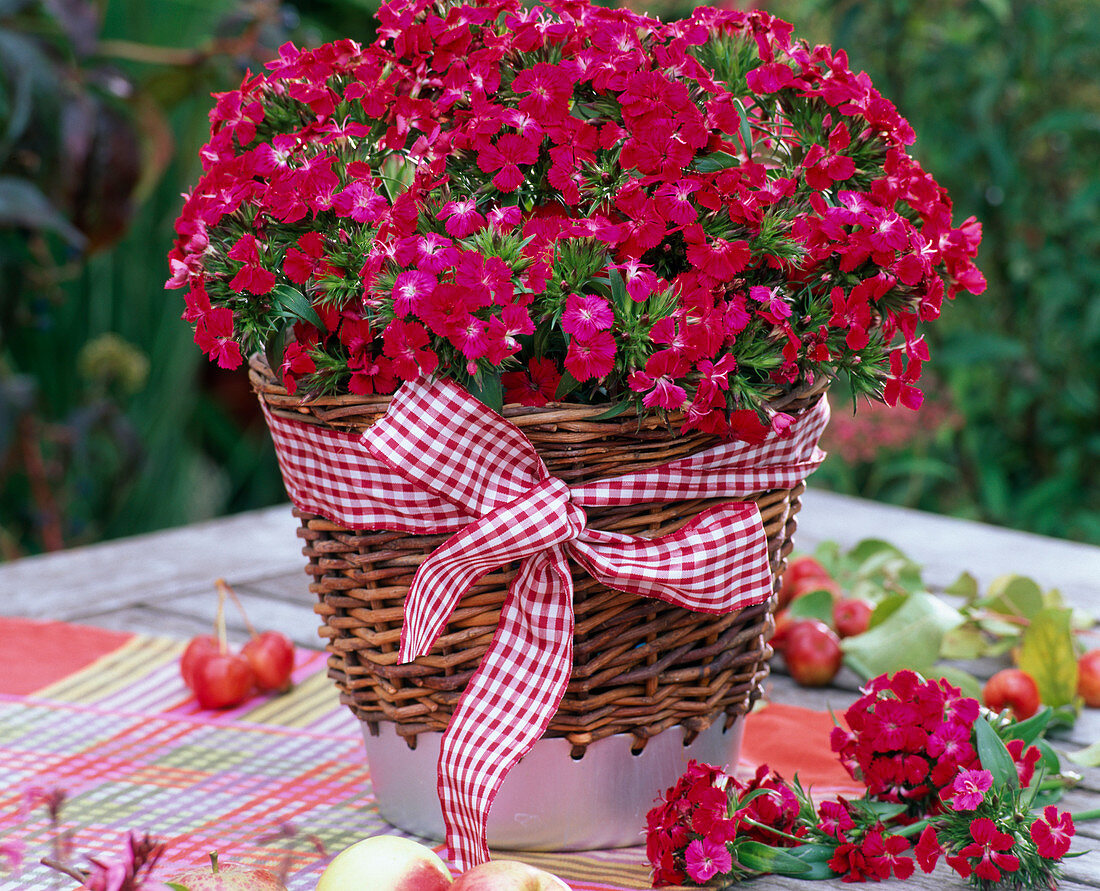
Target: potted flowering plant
x,y
606,267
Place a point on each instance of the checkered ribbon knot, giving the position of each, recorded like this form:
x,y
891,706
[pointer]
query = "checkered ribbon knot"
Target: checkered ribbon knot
x,y
441,461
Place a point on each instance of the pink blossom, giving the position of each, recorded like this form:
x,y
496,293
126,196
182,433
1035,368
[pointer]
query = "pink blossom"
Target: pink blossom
x,y
585,315
1052,833
968,790
590,358
705,859
462,217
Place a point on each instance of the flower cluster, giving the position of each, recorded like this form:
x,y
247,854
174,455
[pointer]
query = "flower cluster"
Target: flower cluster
x,y
979,819
701,822
907,738
570,200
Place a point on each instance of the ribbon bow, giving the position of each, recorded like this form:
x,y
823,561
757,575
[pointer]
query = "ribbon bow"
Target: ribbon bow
x,y
441,461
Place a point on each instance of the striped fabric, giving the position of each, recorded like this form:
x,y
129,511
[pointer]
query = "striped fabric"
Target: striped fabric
x,y
134,751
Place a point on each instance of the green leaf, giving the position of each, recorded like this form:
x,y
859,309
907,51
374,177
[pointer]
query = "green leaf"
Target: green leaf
x,y
614,411
1047,654
814,605
1031,729
910,637
293,302
873,549
764,858
885,608
715,161
489,391
23,206
1014,595
1048,757
1089,757
566,385
276,346
811,853
964,680
176,886
964,642
965,586
993,755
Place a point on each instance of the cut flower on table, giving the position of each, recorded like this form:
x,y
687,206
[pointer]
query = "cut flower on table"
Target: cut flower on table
x,y
571,201
942,780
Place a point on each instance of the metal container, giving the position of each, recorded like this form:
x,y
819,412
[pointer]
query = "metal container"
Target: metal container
x,y
549,801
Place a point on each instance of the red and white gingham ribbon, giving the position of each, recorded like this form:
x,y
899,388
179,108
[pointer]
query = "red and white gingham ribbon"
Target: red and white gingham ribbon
x,y
441,461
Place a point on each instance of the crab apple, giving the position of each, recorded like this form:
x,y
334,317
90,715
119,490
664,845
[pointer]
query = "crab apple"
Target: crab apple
x,y
813,653
1013,689
783,622
508,875
799,578
222,680
228,877
198,650
271,655
386,862
851,616
1088,678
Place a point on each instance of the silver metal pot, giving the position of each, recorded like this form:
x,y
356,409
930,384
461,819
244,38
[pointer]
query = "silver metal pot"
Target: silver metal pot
x,y
549,801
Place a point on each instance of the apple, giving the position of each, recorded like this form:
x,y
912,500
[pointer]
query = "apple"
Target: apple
x,y
386,862
783,622
507,875
222,680
198,649
851,616
1013,689
812,653
800,572
271,655
228,877
1088,678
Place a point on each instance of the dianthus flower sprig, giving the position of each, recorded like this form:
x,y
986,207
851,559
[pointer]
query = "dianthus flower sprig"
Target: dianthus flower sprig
x,y
570,201
992,820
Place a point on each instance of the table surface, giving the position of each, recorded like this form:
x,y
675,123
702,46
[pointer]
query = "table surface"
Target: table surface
x,y
161,583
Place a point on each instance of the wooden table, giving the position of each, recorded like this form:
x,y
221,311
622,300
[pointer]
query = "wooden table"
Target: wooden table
x,y
161,583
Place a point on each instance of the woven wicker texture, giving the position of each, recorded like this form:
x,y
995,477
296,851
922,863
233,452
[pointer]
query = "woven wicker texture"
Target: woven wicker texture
x,y
640,665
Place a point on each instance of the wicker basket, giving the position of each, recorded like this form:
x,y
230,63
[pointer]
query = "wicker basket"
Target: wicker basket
x,y
640,665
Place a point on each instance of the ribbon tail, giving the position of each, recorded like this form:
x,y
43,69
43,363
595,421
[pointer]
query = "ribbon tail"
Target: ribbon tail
x,y
715,564
509,701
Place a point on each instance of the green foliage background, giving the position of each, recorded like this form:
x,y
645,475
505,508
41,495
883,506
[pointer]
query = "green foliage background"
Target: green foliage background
x,y
111,423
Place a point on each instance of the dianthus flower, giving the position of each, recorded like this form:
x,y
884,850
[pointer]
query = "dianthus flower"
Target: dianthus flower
x,y
1052,833
990,845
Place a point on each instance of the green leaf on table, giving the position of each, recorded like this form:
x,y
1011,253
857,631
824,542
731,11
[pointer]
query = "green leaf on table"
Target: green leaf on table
x,y
1014,595
828,555
993,755
910,637
1047,654
965,586
873,549
1089,757
964,643
964,680
814,605
886,608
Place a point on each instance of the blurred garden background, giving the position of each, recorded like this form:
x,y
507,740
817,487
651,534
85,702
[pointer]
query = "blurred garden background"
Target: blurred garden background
x,y
113,423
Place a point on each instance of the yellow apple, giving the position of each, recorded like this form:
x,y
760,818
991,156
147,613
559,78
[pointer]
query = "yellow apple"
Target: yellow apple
x,y
386,863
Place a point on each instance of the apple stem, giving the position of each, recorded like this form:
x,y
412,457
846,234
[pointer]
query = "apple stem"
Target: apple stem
x,y
219,624
214,862
225,588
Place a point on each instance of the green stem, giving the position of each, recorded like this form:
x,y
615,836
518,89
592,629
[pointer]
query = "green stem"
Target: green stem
x,y
912,829
759,825
1094,814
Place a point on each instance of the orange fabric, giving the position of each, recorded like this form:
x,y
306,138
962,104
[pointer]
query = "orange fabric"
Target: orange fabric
x,y
35,654
791,740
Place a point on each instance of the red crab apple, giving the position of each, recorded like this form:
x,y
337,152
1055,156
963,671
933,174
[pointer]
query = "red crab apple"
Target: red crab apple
x,y
851,616
1088,678
222,680
1013,689
227,877
271,655
508,875
812,652
198,650
386,862
804,575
